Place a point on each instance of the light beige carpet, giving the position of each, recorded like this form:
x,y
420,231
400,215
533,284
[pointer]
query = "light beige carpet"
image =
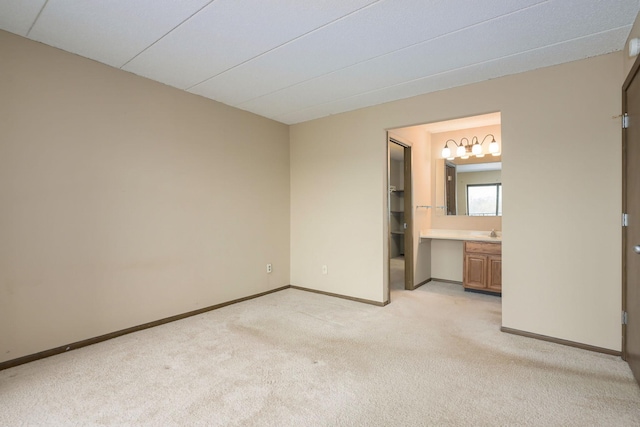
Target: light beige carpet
x,y
396,273
434,356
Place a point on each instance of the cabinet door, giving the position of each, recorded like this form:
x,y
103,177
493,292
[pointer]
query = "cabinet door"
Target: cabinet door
x,y
475,271
494,273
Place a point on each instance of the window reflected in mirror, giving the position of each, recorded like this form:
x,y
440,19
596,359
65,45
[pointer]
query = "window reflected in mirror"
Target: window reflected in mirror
x,y
484,199
471,187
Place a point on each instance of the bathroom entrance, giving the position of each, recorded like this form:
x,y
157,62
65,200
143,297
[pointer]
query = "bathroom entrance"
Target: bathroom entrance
x,y
456,195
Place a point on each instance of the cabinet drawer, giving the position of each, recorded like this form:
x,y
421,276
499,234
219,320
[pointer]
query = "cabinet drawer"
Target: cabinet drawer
x,y
483,248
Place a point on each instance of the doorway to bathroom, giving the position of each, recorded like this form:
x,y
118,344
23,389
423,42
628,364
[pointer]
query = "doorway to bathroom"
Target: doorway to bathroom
x,y
456,198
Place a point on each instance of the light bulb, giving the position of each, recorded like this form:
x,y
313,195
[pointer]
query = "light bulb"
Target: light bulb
x,y
476,149
460,150
493,147
446,152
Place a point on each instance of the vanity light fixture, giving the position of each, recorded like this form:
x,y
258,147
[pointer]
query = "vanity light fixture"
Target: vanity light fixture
x,y
446,151
468,148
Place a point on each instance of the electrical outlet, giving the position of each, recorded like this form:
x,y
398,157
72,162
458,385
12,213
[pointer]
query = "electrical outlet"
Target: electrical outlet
x,y
269,268
325,269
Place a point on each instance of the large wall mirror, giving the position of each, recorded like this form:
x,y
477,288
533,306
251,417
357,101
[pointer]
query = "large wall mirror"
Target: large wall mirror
x,y
470,187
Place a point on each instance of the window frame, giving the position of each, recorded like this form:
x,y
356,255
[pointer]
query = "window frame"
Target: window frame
x,y
498,186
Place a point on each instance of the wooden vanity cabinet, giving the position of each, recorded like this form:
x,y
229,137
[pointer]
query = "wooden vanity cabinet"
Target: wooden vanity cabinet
x,y
482,268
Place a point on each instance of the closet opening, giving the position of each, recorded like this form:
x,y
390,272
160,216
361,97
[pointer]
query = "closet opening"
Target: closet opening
x,y
400,216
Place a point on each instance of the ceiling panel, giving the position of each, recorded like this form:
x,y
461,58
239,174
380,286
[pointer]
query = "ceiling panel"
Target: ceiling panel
x,y
111,31
297,60
229,32
17,16
374,31
529,29
524,61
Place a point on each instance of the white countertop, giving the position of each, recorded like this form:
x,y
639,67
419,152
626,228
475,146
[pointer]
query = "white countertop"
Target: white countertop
x,y
475,235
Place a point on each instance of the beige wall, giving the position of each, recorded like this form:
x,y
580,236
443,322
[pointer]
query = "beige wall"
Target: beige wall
x,y
125,201
447,257
562,186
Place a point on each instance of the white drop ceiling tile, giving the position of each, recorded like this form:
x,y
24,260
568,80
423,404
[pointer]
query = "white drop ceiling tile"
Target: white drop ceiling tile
x,y
559,21
229,32
287,58
598,13
393,69
478,44
111,31
348,41
379,72
17,16
548,56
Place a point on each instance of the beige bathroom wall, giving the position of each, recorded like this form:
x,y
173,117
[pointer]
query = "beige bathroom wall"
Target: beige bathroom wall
x,y
447,257
460,222
125,201
562,194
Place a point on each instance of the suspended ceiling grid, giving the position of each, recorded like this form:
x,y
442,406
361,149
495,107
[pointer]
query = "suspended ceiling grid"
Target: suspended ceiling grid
x,y
293,60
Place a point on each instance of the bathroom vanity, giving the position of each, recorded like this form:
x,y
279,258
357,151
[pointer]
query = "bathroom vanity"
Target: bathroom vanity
x,y
479,255
482,268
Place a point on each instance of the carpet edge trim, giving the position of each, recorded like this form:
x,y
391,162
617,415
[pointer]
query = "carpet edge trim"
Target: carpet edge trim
x,y
331,294
560,341
89,341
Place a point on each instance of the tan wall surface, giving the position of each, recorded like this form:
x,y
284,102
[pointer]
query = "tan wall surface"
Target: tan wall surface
x,y
125,201
562,186
447,258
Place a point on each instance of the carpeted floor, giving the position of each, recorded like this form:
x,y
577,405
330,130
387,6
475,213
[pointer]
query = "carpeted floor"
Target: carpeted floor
x,y
396,275
434,356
